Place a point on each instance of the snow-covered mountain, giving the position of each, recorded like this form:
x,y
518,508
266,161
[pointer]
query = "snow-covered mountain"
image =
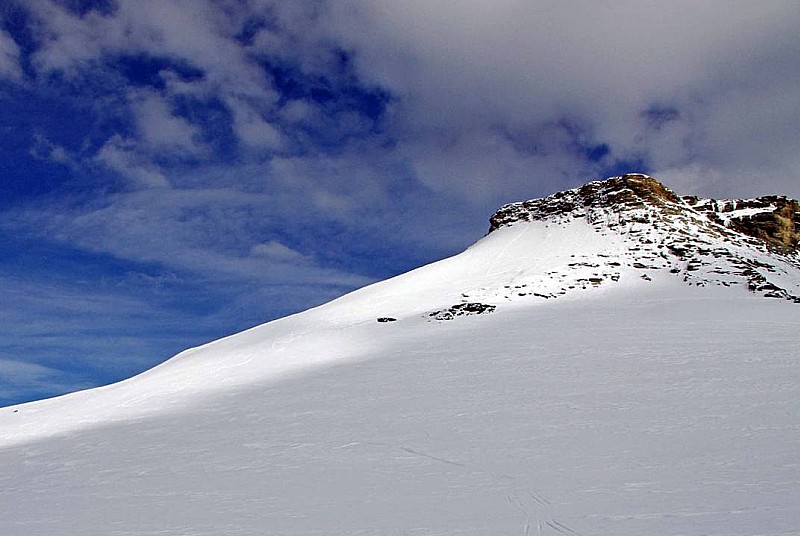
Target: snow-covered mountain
x,y
613,359
751,242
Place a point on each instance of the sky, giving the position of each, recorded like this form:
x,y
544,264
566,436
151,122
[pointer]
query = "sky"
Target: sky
x,y
174,172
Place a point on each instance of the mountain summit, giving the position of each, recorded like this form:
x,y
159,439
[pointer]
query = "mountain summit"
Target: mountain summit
x,y
602,362
750,242
773,219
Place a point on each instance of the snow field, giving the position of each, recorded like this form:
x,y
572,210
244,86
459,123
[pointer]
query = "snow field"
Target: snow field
x,y
625,408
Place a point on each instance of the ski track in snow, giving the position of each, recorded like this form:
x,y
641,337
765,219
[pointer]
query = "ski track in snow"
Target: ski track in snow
x,y
517,494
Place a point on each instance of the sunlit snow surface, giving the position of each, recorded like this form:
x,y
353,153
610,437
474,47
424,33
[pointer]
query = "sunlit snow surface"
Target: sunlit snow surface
x,y
633,408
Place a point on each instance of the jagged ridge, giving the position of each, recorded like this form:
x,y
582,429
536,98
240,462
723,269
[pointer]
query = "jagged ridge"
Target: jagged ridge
x,y
751,242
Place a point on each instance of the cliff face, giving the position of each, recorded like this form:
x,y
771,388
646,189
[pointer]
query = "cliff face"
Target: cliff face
x,y
773,219
706,241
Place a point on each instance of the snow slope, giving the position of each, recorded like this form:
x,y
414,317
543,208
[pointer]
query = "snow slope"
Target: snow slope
x,y
341,330
599,397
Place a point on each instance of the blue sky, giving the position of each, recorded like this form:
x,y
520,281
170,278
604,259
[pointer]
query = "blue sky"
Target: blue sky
x,y
173,172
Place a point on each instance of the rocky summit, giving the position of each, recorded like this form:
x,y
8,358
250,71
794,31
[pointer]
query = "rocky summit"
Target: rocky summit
x,y
729,242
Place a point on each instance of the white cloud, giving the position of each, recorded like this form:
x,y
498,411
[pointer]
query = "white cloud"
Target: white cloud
x,y
485,164
275,251
45,149
251,128
161,135
120,155
58,333
9,57
340,187
467,67
23,379
298,111
694,179
205,232
160,130
24,373
197,33
461,71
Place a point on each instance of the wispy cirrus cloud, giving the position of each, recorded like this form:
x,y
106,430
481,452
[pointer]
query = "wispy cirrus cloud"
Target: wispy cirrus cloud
x,y
22,380
61,336
182,229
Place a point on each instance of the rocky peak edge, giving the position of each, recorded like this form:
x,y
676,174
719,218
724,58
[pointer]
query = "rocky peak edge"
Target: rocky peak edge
x,y
772,219
729,242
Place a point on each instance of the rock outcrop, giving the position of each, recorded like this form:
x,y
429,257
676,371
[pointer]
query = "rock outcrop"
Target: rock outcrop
x,y
624,193
750,242
463,309
773,219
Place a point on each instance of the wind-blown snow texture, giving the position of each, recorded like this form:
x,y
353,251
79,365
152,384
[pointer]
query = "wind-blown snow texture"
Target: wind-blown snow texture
x,y
613,389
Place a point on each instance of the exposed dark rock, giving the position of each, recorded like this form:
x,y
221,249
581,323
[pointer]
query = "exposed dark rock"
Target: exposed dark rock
x,y
386,319
626,192
463,309
774,219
